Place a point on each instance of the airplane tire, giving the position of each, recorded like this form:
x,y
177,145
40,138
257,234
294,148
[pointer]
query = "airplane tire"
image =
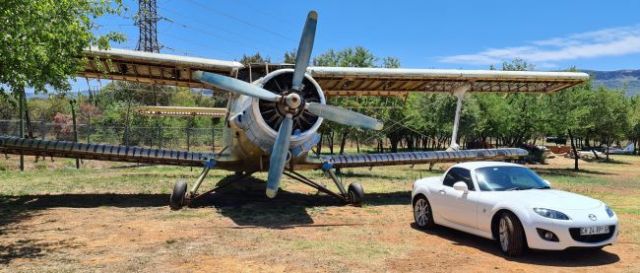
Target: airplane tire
x,y
176,201
356,193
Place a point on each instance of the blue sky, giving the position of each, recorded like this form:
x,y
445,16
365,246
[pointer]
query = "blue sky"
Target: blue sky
x,y
601,35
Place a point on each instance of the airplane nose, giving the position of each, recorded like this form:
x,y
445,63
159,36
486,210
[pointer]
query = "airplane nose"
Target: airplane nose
x,y
293,100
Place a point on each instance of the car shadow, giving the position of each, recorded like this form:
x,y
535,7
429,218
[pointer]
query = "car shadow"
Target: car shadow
x,y
574,257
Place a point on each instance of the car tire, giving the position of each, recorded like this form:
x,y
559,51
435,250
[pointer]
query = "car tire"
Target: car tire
x,y
510,235
422,213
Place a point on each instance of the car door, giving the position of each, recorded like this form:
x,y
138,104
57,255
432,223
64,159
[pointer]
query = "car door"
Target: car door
x,y
459,207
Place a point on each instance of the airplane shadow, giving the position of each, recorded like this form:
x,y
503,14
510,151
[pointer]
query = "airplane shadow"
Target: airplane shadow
x,y
567,258
245,203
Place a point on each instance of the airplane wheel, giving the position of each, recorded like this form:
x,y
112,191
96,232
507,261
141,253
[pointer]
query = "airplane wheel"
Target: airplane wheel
x,y
356,193
176,201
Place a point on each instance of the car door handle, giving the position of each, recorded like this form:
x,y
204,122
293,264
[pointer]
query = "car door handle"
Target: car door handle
x,y
442,192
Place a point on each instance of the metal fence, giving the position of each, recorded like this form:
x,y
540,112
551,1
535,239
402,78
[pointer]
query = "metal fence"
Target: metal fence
x,y
181,138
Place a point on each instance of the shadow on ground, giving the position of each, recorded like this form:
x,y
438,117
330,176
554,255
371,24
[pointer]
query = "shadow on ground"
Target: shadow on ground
x,y
567,258
245,203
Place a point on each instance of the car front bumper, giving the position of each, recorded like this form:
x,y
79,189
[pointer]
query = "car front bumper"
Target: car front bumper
x,y
568,234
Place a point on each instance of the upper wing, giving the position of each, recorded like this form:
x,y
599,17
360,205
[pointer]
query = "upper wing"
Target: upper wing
x,y
410,158
350,81
165,69
153,68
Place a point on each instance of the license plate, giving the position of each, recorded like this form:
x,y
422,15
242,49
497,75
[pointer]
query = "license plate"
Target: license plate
x,y
594,230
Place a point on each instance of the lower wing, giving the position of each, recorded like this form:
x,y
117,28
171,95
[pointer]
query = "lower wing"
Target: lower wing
x,y
105,152
410,158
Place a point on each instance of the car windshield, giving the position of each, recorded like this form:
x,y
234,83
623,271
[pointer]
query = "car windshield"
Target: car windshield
x,y
505,178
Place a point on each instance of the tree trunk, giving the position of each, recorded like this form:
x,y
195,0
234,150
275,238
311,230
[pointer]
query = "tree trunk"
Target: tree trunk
x,y
575,152
319,146
394,145
28,120
330,140
343,142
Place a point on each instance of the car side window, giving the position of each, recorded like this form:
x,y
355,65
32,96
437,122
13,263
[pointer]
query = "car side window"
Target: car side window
x,y
458,174
450,178
465,175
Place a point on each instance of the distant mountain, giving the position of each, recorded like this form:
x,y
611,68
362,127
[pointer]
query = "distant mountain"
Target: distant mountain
x,y
627,80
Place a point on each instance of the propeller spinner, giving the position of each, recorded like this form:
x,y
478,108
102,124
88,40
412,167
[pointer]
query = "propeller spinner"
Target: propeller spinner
x,y
292,102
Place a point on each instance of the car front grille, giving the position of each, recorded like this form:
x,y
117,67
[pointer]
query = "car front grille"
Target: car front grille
x,y
575,234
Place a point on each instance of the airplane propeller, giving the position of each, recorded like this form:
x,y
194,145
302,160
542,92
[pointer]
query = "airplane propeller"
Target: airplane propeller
x,y
292,101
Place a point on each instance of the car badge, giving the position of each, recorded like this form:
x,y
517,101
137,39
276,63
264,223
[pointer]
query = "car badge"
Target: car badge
x,y
593,217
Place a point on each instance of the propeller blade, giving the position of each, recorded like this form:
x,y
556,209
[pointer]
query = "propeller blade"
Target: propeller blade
x,y
279,156
304,50
235,86
344,116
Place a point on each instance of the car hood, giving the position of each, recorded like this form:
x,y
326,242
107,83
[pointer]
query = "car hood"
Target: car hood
x,y
553,199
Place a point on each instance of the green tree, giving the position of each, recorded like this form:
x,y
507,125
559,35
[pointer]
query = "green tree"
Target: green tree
x,y
634,122
254,59
290,57
42,39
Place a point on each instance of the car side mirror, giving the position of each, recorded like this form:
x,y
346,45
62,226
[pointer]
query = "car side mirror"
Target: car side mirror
x,y
461,186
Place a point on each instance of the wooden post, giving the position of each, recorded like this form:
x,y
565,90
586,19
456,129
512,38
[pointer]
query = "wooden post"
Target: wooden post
x,y
160,138
72,102
21,107
126,125
213,134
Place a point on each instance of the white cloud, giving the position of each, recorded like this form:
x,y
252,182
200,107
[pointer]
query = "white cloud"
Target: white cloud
x,y
606,42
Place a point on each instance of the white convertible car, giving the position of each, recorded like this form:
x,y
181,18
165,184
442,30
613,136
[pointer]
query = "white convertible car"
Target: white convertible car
x,y
514,206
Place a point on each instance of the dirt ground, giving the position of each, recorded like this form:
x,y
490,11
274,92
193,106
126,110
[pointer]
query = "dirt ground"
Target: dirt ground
x,y
116,219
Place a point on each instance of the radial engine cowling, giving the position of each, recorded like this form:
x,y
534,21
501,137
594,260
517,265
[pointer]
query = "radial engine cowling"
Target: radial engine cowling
x,y
263,118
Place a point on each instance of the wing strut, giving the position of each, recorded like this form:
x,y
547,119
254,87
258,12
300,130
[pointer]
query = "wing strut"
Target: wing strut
x,y
459,93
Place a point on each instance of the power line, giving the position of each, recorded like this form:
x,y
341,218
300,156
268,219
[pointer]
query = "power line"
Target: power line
x,y
242,21
247,5
220,37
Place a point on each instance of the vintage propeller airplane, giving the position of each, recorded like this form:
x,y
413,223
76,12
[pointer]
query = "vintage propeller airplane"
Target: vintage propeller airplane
x,y
271,122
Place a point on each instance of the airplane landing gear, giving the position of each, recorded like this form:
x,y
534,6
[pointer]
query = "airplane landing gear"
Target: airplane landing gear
x,y
180,197
177,199
354,195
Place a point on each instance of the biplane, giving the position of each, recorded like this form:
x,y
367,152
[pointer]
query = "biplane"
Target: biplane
x,y
271,122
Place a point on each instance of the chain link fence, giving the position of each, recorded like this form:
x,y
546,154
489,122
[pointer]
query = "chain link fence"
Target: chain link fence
x,y
180,138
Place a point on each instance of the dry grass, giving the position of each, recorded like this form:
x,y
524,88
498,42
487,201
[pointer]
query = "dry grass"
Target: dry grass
x,y
113,218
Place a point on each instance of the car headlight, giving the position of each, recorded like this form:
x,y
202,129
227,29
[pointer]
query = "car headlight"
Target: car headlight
x,y
549,213
609,211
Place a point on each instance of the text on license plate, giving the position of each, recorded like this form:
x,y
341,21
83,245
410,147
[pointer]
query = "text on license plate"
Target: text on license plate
x,y
594,230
